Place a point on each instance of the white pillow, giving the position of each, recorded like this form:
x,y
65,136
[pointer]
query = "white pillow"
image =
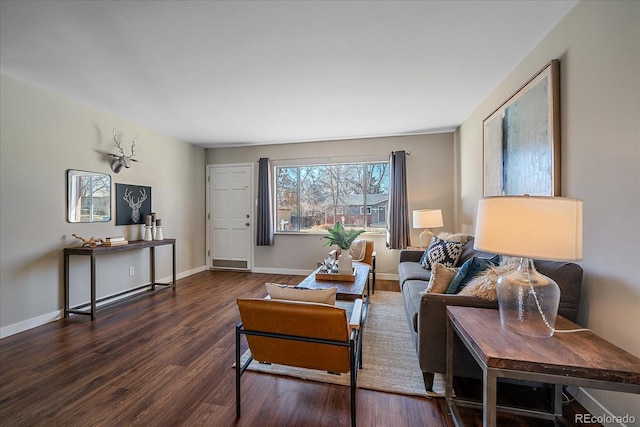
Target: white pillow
x,y
358,250
451,237
293,293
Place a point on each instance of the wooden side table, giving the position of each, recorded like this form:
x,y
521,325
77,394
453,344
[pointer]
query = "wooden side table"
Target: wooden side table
x,y
579,359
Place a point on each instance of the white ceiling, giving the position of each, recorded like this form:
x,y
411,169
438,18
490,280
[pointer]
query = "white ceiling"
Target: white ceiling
x,y
223,73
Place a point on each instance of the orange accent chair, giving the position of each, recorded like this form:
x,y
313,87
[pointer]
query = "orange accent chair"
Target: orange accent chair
x,y
302,334
369,260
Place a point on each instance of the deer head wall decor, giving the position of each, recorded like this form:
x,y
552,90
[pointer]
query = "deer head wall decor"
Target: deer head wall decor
x,y
135,206
122,159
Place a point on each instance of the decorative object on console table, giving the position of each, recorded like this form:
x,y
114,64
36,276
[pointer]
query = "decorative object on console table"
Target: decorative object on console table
x,y
343,238
114,241
159,234
148,228
427,218
521,139
89,243
548,228
133,204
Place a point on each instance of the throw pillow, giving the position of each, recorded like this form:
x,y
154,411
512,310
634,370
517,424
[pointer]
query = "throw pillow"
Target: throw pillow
x,y
484,284
441,277
469,270
294,293
451,237
358,250
441,251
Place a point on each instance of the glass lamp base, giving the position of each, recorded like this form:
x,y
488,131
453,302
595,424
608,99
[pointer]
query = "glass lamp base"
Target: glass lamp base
x,y
528,301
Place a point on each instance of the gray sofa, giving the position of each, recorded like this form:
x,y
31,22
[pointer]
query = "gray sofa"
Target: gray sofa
x,y
426,313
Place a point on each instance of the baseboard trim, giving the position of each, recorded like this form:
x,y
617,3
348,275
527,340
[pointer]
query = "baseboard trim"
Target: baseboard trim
x,y
595,408
290,271
387,276
43,319
34,322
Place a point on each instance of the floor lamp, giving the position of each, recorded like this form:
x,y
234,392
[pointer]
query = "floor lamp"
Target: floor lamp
x,y
427,218
527,227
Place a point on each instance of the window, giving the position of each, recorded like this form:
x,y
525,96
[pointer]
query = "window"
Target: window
x,y
313,198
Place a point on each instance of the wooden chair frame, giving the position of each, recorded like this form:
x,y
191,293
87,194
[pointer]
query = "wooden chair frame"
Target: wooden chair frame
x,y
354,344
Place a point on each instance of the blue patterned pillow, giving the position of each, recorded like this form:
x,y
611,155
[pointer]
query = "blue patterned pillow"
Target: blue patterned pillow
x,y
446,253
470,269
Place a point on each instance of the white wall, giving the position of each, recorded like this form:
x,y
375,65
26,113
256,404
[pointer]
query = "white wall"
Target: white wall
x,y
598,44
41,136
429,182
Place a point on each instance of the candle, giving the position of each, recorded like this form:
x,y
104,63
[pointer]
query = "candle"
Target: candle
x,y
158,223
148,220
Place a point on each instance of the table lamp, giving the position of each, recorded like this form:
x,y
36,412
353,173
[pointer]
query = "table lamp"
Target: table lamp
x,y
427,218
528,227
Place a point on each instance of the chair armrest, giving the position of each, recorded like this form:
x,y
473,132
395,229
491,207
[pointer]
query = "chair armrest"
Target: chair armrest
x,y
356,315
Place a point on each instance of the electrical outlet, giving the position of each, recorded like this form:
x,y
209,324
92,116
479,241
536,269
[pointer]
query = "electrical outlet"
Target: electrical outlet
x,y
132,271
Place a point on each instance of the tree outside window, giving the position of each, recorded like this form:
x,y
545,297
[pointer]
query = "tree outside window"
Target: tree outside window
x,y
314,198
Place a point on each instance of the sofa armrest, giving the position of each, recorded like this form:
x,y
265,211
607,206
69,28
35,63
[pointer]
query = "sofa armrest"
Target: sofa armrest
x,y
408,255
432,318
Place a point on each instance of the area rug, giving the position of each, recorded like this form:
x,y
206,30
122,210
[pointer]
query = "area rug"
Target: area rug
x,y
390,363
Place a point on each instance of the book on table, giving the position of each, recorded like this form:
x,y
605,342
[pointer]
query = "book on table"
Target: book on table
x,y
115,242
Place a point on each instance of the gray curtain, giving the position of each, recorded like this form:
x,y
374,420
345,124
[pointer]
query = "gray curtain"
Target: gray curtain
x,y
398,229
264,220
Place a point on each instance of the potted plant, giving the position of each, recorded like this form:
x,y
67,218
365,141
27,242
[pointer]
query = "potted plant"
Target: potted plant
x,y
343,238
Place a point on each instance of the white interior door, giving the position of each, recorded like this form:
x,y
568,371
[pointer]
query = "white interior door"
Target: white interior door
x,y
230,216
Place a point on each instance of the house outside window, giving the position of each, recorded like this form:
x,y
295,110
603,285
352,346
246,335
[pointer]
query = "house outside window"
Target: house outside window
x,y
312,198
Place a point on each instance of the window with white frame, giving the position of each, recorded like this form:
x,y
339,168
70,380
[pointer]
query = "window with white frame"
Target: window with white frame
x,y
314,197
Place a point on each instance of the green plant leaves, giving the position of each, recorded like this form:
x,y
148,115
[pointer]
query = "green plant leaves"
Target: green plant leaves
x,y
340,236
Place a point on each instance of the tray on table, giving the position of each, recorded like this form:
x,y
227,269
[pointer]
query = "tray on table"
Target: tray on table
x,y
337,277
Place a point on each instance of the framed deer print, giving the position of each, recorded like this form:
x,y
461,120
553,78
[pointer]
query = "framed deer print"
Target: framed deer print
x,y
133,204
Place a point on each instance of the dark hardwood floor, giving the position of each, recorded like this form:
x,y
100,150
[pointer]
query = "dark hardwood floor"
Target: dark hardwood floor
x,y
166,360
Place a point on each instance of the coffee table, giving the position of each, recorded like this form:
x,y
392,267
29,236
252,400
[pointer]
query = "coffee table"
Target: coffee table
x,y
348,291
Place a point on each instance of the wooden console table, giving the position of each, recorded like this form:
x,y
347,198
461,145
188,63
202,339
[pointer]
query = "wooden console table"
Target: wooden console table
x,y
101,250
580,359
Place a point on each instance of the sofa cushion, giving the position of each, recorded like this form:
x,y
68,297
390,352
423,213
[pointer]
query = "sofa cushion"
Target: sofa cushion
x,y
412,294
412,271
441,251
469,270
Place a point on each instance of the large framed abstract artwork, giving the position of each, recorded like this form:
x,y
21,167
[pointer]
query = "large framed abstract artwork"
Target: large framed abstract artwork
x,y
521,139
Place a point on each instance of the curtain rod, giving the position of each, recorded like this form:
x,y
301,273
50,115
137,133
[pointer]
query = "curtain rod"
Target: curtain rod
x,y
323,158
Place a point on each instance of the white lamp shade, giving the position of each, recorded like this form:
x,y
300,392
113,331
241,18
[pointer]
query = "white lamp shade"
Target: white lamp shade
x,y
427,218
547,228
